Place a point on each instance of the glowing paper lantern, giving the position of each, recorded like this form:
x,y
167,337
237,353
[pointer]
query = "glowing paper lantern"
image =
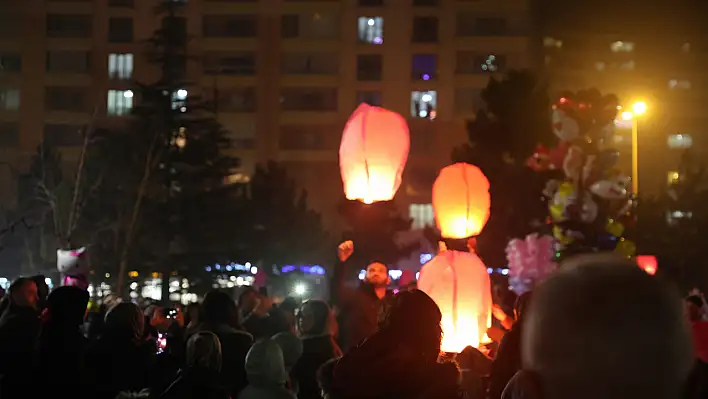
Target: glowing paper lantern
x,y
648,263
461,200
459,284
373,153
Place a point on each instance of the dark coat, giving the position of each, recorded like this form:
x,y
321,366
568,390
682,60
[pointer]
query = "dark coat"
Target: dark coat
x,y
234,347
315,352
358,310
19,330
506,363
196,384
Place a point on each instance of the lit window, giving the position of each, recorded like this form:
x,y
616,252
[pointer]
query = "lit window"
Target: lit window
x,y
680,141
673,217
371,30
120,102
424,67
424,104
673,177
422,215
9,99
179,100
679,84
552,42
120,66
622,47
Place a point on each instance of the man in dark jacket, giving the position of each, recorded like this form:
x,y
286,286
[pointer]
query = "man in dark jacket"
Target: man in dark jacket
x,y
358,310
19,329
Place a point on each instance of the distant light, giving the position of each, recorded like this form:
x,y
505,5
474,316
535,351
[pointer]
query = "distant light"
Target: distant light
x,y
627,116
362,275
378,40
426,76
254,270
417,275
395,274
371,22
426,98
182,93
128,94
208,268
300,289
248,264
505,272
425,258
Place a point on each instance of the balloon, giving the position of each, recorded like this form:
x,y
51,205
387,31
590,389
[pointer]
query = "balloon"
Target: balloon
x,y
611,189
614,227
607,159
648,263
565,127
626,247
373,154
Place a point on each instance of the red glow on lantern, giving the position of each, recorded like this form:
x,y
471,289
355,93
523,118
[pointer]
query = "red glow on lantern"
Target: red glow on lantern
x,y
563,100
648,263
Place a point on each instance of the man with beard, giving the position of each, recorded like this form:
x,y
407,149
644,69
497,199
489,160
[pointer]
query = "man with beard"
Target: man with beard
x,y
358,310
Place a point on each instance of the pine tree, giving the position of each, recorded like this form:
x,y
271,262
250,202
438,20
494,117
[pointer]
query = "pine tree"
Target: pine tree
x,y
174,178
502,136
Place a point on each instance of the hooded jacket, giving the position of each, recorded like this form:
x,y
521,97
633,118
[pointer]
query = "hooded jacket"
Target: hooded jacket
x,y
265,368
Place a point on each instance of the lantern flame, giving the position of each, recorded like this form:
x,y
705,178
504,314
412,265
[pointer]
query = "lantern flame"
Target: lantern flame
x,y
459,284
461,201
373,154
648,263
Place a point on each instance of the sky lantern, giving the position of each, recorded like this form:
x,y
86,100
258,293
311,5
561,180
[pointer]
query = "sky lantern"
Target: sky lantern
x,y
459,284
461,200
648,263
373,153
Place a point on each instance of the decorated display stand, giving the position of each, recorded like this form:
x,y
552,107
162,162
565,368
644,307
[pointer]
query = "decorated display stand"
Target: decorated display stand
x,y
458,281
589,201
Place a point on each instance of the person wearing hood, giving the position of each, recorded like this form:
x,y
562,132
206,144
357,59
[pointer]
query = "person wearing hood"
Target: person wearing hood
x,y
315,324
508,359
199,379
265,368
359,309
121,360
19,330
291,346
61,343
400,361
219,316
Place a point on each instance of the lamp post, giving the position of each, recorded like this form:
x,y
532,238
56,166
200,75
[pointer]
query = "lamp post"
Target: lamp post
x,y
639,108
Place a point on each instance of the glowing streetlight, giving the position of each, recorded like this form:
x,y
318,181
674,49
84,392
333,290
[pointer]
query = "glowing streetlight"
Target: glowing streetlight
x,y
639,108
300,289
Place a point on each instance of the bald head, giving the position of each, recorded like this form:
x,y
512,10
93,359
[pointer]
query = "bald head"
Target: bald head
x,y
603,328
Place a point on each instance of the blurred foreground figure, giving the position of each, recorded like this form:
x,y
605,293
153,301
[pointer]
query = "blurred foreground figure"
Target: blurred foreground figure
x,y
603,328
402,356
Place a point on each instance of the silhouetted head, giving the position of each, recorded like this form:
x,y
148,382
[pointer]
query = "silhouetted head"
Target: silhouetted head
x,y
601,327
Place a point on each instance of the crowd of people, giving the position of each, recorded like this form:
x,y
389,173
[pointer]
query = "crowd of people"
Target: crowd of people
x,y
600,327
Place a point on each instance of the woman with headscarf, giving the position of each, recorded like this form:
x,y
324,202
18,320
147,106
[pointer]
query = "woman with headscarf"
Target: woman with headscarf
x,y
218,315
61,343
400,361
120,360
199,379
315,321
265,368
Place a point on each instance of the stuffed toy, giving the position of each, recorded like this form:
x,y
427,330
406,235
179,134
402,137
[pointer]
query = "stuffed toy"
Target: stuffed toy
x,y
73,265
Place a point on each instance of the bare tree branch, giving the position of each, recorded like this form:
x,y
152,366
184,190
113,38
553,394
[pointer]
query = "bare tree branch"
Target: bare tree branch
x,y
75,208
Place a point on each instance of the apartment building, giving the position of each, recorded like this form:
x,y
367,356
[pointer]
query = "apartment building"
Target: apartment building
x,y
286,74
642,53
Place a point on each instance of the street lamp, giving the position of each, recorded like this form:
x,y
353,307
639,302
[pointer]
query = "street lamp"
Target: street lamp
x,y
639,108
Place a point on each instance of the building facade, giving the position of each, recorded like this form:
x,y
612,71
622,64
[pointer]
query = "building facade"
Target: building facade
x,y
645,53
285,74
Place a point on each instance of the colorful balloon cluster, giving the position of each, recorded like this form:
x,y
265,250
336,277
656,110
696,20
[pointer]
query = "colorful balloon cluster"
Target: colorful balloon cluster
x,y
529,261
590,205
